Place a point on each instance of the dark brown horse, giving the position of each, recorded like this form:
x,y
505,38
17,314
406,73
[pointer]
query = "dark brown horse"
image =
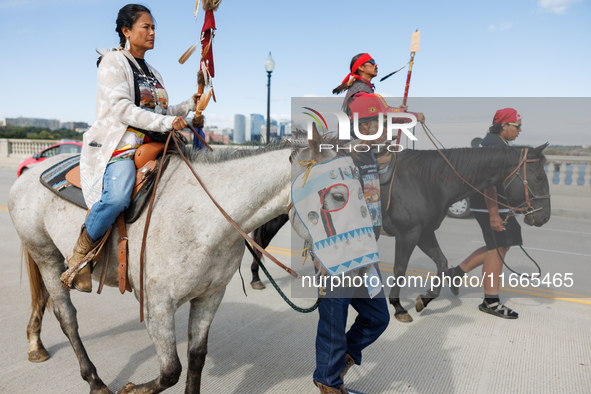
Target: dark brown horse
x,y
423,188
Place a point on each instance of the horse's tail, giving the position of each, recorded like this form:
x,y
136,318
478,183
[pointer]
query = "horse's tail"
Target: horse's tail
x,y
35,282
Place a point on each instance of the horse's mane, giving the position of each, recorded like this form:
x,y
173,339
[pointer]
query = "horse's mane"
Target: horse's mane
x,y
469,162
226,154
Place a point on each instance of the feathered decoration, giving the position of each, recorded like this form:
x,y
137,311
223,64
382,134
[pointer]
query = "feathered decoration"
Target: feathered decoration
x,y
187,54
344,86
206,67
210,5
196,9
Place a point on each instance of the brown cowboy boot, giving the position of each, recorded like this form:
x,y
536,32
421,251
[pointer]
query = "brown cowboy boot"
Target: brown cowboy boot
x,y
330,390
349,362
82,280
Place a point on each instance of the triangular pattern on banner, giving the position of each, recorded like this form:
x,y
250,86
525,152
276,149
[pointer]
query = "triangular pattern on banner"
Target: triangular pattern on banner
x,y
347,264
334,269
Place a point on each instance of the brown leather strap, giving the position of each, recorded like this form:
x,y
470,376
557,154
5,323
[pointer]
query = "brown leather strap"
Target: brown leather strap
x,y
472,186
229,219
105,266
123,253
148,216
392,180
198,136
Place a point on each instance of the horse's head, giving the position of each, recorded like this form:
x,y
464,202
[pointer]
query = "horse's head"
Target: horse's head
x,y
527,188
329,208
305,154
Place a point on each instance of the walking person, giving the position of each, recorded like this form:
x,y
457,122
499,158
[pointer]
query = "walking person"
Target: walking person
x,y
337,349
498,237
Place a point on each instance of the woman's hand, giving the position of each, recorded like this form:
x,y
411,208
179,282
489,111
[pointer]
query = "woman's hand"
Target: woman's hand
x,y
179,123
196,98
420,117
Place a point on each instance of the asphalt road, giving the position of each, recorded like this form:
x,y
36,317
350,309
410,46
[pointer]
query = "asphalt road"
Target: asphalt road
x,y
258,345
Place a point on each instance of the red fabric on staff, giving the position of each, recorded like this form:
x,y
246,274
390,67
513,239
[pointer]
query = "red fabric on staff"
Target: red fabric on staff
x,y
206,38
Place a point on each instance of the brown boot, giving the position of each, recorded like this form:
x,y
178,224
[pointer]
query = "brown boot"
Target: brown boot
x,y
330,390
80,278
349,362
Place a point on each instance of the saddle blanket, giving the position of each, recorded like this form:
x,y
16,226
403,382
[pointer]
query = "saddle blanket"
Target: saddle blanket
x,y
341,230
57,180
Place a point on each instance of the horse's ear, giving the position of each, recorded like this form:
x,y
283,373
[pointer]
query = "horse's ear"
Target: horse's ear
x,y
535,152
315,142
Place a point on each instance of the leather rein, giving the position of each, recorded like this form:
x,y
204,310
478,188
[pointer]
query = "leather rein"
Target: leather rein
x,y
528,209
223,212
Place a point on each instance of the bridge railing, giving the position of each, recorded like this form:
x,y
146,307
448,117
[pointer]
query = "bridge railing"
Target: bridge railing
x,y
574,171
21,149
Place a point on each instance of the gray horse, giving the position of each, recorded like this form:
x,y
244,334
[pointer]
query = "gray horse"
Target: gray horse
x,y
192,251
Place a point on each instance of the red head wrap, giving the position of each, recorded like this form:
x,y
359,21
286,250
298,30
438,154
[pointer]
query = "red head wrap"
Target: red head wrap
x,y
506,115
360,61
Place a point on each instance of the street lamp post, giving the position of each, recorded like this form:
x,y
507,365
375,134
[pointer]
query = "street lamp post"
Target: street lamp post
x,y
269,66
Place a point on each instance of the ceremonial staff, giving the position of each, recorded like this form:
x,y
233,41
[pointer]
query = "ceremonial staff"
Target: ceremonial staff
x,y
206,68
414,47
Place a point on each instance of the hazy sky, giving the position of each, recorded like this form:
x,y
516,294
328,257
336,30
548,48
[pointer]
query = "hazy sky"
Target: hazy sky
x,y
469,48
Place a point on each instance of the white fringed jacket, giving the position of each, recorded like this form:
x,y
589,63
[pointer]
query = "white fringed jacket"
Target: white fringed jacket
x,y
115,111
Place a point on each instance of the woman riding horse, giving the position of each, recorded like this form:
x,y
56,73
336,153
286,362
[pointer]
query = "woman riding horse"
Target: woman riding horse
x,y
125,120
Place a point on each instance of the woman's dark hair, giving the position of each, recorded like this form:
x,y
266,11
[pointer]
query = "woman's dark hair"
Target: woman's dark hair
x,y
127,17
496,128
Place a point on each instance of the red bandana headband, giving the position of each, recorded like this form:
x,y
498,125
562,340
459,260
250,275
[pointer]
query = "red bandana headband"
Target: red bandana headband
x,y
362,60
506,115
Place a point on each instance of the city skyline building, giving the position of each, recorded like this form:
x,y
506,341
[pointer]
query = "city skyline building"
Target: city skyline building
x,y
239,129
51,124
256,123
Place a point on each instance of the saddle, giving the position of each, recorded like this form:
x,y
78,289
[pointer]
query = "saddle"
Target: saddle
x,y
64,180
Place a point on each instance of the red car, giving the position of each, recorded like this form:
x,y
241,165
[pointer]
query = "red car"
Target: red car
x,y
56,149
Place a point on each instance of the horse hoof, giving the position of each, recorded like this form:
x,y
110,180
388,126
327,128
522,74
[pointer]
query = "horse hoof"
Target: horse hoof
x,y
422,303
403,317
455,290
258,285
419,304
38,356
129,388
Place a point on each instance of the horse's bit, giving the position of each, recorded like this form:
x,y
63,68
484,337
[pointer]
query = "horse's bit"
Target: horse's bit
x,y
529,209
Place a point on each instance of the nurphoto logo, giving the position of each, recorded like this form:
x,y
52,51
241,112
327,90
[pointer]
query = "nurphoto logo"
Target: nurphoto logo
x,y
393,123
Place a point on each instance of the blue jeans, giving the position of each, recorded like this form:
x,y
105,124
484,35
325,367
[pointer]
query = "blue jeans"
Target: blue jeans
x,y
118,183
332,342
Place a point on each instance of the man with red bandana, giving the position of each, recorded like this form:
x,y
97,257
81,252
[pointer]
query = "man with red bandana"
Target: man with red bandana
x,y
358,83
498,237
337,349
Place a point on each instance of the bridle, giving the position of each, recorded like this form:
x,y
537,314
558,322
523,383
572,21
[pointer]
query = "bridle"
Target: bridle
x,y
528,209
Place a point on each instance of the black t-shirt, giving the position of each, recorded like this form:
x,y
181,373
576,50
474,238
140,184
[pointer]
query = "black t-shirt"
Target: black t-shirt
x,y
370,182
139,77
477,202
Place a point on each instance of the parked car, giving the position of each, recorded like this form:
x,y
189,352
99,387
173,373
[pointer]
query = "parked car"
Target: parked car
x,y
56,149
460,209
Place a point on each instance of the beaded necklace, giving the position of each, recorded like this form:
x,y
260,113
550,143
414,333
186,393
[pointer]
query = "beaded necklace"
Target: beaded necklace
x,y
151,82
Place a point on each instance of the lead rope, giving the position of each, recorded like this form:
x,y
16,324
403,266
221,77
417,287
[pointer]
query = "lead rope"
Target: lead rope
x,y
276,286
521,247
